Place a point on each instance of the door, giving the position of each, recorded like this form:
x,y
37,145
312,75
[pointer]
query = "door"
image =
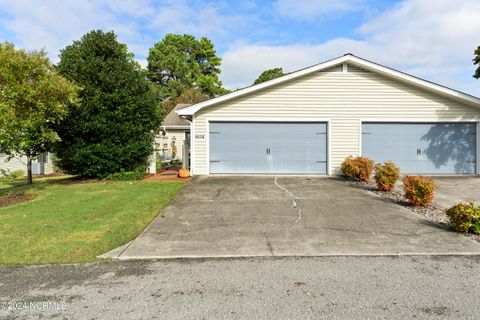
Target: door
x,y
268,147
427,148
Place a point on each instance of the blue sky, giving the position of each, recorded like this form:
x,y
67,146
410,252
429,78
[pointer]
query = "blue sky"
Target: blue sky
x,y
430,39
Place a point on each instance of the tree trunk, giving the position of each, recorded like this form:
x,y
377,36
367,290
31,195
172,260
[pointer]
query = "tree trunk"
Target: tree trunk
x,y
29,169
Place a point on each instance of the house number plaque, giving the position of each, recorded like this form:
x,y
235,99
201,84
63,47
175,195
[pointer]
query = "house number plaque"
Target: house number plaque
x,y
199,136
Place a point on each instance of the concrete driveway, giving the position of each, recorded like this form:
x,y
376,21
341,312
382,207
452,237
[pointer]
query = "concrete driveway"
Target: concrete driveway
x,y
287,216
451,190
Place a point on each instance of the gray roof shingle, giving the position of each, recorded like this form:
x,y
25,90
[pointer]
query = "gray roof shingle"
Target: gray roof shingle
x,y
173,119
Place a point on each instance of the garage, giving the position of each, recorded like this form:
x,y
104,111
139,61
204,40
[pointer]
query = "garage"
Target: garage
x,y
427,148
309,121
268,147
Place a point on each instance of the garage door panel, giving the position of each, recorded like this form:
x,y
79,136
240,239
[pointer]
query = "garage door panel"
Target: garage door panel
x,y
440,148
451,146
262,147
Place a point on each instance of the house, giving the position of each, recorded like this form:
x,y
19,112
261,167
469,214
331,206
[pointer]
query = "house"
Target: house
x,y
41,166
309,121
174,133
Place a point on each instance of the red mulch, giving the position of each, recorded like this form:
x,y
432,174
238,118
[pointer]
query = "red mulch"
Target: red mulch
x,y
167,175
9,199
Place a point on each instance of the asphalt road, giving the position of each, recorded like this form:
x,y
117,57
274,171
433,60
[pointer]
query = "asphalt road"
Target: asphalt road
x,y
422,287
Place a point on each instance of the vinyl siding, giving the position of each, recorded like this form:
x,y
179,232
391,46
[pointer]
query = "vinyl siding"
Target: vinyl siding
x,y
344,98
16,163
20,163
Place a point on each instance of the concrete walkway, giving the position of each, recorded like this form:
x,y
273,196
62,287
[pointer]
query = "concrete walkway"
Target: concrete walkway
x,y
287,216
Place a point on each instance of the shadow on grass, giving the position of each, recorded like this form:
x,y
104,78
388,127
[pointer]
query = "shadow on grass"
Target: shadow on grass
x,y
39,184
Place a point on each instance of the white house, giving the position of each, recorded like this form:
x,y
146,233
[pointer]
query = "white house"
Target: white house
x,y
43,165
174,133
309,121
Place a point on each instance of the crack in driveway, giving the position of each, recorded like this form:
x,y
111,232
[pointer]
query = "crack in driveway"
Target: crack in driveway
x,y
269,245
292,197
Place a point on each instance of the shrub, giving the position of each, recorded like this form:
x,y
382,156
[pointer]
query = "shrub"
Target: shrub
x,y
158,165
386,175
17,174
418,190
358,168
123,175
7,176
465,217
176,162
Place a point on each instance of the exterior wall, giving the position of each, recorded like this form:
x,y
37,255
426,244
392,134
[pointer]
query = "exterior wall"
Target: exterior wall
x,y
179,135
345,99
20,163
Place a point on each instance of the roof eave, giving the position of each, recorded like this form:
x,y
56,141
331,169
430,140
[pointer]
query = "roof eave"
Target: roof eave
x,y
175,126
349,58
196,107
420,83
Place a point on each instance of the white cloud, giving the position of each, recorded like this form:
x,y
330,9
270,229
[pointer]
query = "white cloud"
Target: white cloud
x,y
311,9
433,40
430,39
53,24
243,63
206,20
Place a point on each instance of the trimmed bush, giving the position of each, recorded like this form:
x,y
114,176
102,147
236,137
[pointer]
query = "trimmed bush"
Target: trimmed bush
x,y
465,217
419,190
358,168
386,175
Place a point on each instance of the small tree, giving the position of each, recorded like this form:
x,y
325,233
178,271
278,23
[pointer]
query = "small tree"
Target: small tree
x,y
119,115
269,74
189,96
33,99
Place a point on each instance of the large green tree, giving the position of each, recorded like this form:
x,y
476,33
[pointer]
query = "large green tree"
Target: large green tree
x,y
181,62
33,99
119,115
476,61
269,74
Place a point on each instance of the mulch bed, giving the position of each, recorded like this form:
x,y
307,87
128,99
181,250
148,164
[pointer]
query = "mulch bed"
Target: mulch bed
x,y
10,199
431,213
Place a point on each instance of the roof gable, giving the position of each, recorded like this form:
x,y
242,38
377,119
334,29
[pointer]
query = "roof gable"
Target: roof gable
x,y
343,60
174,120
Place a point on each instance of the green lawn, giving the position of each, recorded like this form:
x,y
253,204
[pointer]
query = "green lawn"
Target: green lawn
x,y
75,222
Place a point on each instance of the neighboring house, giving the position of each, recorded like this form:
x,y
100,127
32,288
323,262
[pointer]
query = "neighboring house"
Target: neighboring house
x,y
174,133
309,121
43,165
